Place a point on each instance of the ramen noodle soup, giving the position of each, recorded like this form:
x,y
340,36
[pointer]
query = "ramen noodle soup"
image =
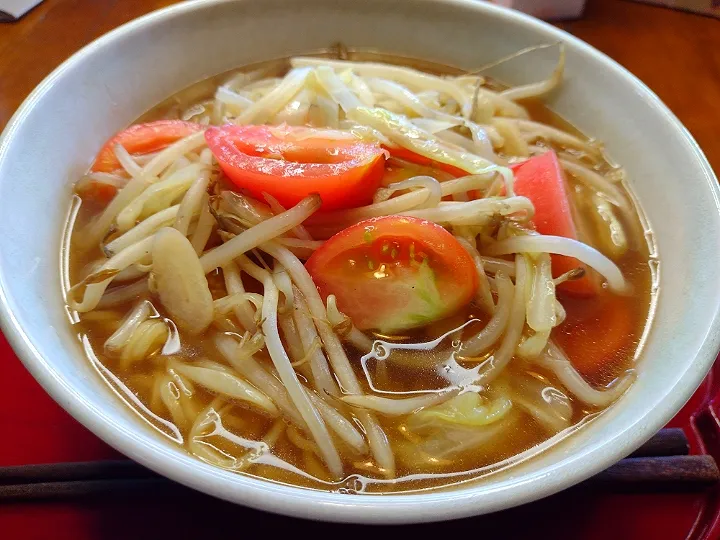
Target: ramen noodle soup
x,y
359,273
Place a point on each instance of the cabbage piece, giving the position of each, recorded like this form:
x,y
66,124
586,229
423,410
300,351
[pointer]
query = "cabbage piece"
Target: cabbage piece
x,y
468,409
402,132
451,440
543,400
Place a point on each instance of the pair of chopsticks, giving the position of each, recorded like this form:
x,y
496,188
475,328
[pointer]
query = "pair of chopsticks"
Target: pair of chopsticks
x,y
661,464
106,479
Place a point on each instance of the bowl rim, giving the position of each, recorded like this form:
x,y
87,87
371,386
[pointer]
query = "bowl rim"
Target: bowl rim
x,y
362,508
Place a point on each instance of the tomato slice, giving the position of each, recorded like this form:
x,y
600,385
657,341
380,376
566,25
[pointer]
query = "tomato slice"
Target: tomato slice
x,y
395,272
541,180
143,139
289,163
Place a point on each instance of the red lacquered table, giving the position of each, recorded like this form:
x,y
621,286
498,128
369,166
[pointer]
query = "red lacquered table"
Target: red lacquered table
x,y
676,54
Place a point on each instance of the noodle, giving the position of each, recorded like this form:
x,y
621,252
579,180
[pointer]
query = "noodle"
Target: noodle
x,y
597,182
432,186
205,226
95,287
142,230
491,368
126,161
336,89
164,190
234,286
396,205
359,340
262,232
483,340
538,89
540,296
563,246
261,110
557,362
121,336
119,295
342,427
227,384
409,77
249,368
191,203
322,377
398,407
534,130
474,212
277,208
145,340
290,380
484,295
376,437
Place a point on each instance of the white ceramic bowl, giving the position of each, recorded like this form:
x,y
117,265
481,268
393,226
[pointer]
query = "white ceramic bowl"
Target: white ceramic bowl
x,y
52,139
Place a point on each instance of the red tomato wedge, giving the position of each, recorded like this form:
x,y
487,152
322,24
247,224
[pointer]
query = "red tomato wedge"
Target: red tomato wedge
x,y
541,180
143,139
289,163
393,273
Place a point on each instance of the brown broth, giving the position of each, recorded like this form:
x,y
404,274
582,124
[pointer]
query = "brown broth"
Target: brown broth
x,y
586,329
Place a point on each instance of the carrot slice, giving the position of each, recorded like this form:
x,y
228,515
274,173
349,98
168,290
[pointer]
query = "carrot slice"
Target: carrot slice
x,y
98,192
598,342
541,180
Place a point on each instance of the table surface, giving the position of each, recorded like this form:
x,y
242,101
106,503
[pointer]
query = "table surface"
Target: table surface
x,y
676,54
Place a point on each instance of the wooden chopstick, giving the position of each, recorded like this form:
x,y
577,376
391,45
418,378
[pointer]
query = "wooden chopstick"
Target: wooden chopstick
x,y
645,475
73,472
93,489
666,442
660,464
665,473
